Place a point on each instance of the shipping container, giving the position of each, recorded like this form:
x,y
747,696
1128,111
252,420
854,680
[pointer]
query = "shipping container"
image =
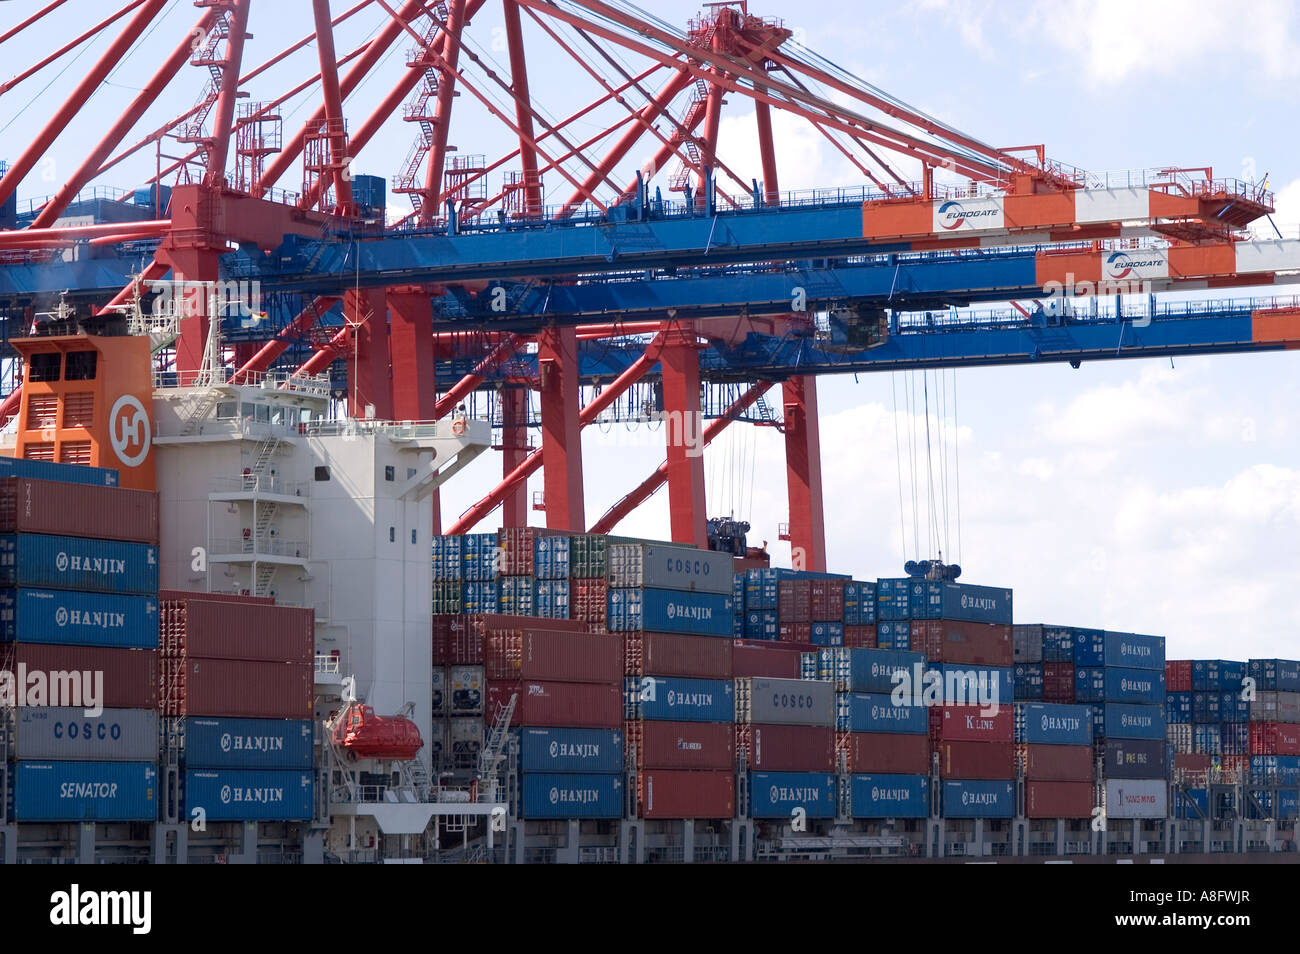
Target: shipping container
x,y
1218,675
682,745
517,596
1053,724
1044,799
976,759
1058,763
1206,739
787,748
77,563
571,704
794,601
1094,649
1275,675
1027,682
1134,758
877,713
68,734
130,676
1137,798
572,796
1178,675
780,794
978,799
483,596
667,567
672,654
1270,706
1059,642
1274,738
882,752
1115,684
459,638
826,634
1180,736
246,795
553,599
761,624
761,589
827,600
1027,640
894,635
45,470
669,794
1058,682
1119,720
78,510
237,688
1192,803
79,619
963,684
220,630
675,699
972,724
766,701
249,743
548,655
1275,770
48,791
859,637
1192,762
447,598
466,738
963,641
889,795
447,559
164,595
870,670
466,685
794,633
1286,809
670,611
587,556
749,658
439,692
588,600
1233,707
859,603
1178,705
1206,707
517,546
551,557
1235,738
962,601
481,557
561,750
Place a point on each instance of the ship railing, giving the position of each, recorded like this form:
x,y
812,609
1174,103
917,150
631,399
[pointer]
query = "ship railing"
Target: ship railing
x,y
326,663
399,429
260,483
317,384
260,547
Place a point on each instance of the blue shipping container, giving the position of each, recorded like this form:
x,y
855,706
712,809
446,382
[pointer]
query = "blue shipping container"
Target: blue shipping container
x,y
78,563
1205,706
79,619
778,794
1043,723
1028,682
1112,684
516,596
1217,675
1275,769
1059,641
1233,707
1178,707
1234,738
876,712
85,791
761,624
551,557
980,604
961,684
572,796
1133,651
670,611
480,557
1191,803
447,557
761,589
827,634
594,751
978,799
1275,675
65,473
1207,739
869,670
896,636
248,743
859,603
480,598
553,599
672,699
1122,720
890,796
893,599
242,795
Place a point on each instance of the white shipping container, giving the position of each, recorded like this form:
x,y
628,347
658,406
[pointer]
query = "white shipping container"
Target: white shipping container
x,y
47,733
466,690
439,693
466,735
1137,798
767,701
437,744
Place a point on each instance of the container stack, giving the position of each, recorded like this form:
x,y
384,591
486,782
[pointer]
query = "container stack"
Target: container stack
x,y
79,598
785,736
1179,731
588,591
1055,754
1275,737
1220,715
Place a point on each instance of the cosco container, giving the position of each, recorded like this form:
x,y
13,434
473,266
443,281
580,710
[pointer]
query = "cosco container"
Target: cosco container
x,y
670,611
877,712
78,510
572,796
85,791
779,794
575,704
554,750
79,619
1137,798
77,563
671,654
67,734
248,743
244,795
237,688
1044,799
978,799
785,702
1042,723
21,467
889,796
642,565
1134,758
675,699
879,752
668,794
1275,675
219,629
545,654
1114,684
1058,763
682,745
1093,648
981,604
129,680
787,748
1118,720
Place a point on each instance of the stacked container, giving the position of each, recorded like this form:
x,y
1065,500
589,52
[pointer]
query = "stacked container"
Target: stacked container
x,y
785,734
1274,736
1054,749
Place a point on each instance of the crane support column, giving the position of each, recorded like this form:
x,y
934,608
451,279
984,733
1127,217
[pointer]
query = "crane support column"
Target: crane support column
x,y
514,449
557,362
680,362
367,359
411,338
803,464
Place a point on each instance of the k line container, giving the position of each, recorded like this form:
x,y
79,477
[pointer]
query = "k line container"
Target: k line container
x,y
79,619
779,794
987,760
787,748
1053,724
672,654
877,713
65,473
972,724
68,734
217,629
245,795
1058,763
674,699
879,795
664,793
1134,758
643,565
979,799
879,752
1044,799
129,676
670,611
237,688
249,743
78,510
560,750
1137,798
46,791
546,655
759,659
1274,738
700,746
785,702
549,795
77,563
571,704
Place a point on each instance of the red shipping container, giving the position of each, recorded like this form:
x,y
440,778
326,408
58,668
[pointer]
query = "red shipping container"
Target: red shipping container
x,y
1193,762
1178,675
534,655
237,688
217,597
860,637
886,753
1058,799
130,675
826,600
1058,682
991,760
516,547
78,510
458,637
787,748
681,745
1235,767
795,633
758,658
794,601
972,724
216,629
574,705
588,600
1058,763
672,654
962,641
1274,738
663,793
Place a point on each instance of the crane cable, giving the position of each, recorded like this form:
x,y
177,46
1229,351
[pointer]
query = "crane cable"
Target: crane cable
x,y
898,462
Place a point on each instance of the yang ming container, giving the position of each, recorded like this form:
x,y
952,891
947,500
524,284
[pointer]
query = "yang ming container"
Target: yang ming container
x,y
1137,798
707,746
778,794
248,743
572,796
1134,758
85,791
979,799
670,611
79,619
77,563
889,796
785,702
876,712
669,794
674,699
240,795
576,704
552,750
686,569
129,681
78,510
672,654
67,734
787,748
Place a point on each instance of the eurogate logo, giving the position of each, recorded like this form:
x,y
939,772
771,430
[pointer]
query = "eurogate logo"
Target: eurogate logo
x,y
1120,265
953,215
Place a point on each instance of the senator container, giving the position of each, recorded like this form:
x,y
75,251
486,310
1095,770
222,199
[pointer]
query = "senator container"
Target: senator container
x,y
1042,723
876,712
199,626
68,734
779,794
668,794
552,750
1134,758
129,676
79,619
237,688
880,795
879,752
246,795
985,760
643,565
248,743
1058,763
682,745
22,467
550,795
1136,798
47,791
77,563
1115,684
670,611
972,724
785,701
1045,799
978,799
981,604
674,699
787,748
78,510
545,654
672,654
1118,720
1275,675
575,704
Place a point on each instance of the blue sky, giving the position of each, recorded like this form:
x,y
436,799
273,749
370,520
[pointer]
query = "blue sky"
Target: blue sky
x,y
1131,495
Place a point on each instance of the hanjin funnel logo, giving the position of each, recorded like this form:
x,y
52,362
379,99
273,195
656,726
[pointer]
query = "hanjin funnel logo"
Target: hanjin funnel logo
x,y
128,427
61,562
61,616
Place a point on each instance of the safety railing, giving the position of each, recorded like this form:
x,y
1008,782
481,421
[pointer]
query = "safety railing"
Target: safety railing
x,y
259,547
327,664
260,484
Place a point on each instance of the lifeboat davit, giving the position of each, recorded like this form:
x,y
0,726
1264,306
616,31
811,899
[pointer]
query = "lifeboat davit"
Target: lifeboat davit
x,y
365,735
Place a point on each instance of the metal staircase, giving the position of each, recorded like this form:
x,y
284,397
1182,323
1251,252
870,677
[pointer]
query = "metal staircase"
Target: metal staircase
x,y
492,753
410,180
694,113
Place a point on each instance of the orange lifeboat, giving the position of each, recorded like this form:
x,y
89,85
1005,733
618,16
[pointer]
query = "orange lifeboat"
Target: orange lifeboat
x,y
365,735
